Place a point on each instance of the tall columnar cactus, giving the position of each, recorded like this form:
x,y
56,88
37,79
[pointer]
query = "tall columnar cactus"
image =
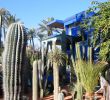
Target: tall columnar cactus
x,y
13,60
35,81
40,73
60,96
77,65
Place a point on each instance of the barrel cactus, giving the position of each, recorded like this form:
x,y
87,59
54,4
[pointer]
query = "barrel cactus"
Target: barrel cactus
x,y
13,60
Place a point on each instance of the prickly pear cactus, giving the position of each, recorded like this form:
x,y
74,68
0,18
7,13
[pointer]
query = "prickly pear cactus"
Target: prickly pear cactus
x,y
13,60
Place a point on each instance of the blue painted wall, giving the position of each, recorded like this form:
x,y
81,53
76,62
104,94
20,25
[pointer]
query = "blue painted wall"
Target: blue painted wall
x,y
75,31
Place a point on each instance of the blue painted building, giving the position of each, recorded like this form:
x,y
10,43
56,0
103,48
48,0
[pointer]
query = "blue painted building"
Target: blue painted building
x,y
73,34
70,37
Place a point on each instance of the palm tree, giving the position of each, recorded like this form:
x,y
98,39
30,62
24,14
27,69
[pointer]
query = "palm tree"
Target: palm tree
x,y
40,36
31,36
12,19
56,57
43,27
3,20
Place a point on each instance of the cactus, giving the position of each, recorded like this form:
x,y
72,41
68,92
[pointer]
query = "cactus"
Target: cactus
x,y
40,72
61,96
77,65
35,84
79,90
13,57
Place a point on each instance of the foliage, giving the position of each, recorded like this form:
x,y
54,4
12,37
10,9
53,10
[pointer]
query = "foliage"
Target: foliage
x,y
4,14
78,85
43,27
12,19
32,54
31,35
101,20
89,74
57,56
40,36
79,89
6,18
3,21
101,24
104,50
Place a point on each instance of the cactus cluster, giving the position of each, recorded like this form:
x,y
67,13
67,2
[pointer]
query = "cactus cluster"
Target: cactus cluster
x,y
13,60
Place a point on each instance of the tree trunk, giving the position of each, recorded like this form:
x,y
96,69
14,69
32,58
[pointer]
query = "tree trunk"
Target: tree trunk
x,y
32,42
4,33
56,80
40,46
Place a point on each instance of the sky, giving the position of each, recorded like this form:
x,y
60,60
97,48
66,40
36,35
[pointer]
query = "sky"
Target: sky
x,y
32,12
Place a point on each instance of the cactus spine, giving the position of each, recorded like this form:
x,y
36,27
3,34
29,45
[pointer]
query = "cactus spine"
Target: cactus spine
x,y
13,61
35,84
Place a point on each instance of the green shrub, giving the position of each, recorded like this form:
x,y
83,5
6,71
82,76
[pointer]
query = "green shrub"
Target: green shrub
x,y
89,74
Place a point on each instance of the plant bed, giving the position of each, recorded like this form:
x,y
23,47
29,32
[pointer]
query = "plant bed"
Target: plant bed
x,y
50,97
96,96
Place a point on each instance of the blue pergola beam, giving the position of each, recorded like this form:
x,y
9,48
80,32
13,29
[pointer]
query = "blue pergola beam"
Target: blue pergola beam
x,y
75,18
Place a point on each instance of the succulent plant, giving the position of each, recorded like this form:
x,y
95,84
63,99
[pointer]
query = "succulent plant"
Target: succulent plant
x,y
86,72
40,73
60,96
13,60
35,80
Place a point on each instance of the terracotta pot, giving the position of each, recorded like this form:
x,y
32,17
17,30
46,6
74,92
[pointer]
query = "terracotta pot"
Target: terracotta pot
x,y
89,96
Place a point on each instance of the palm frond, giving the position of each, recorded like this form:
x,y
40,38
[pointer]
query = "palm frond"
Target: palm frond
x,y
43,27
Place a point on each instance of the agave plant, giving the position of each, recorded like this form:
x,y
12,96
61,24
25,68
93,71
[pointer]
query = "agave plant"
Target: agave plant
x,y
56,57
